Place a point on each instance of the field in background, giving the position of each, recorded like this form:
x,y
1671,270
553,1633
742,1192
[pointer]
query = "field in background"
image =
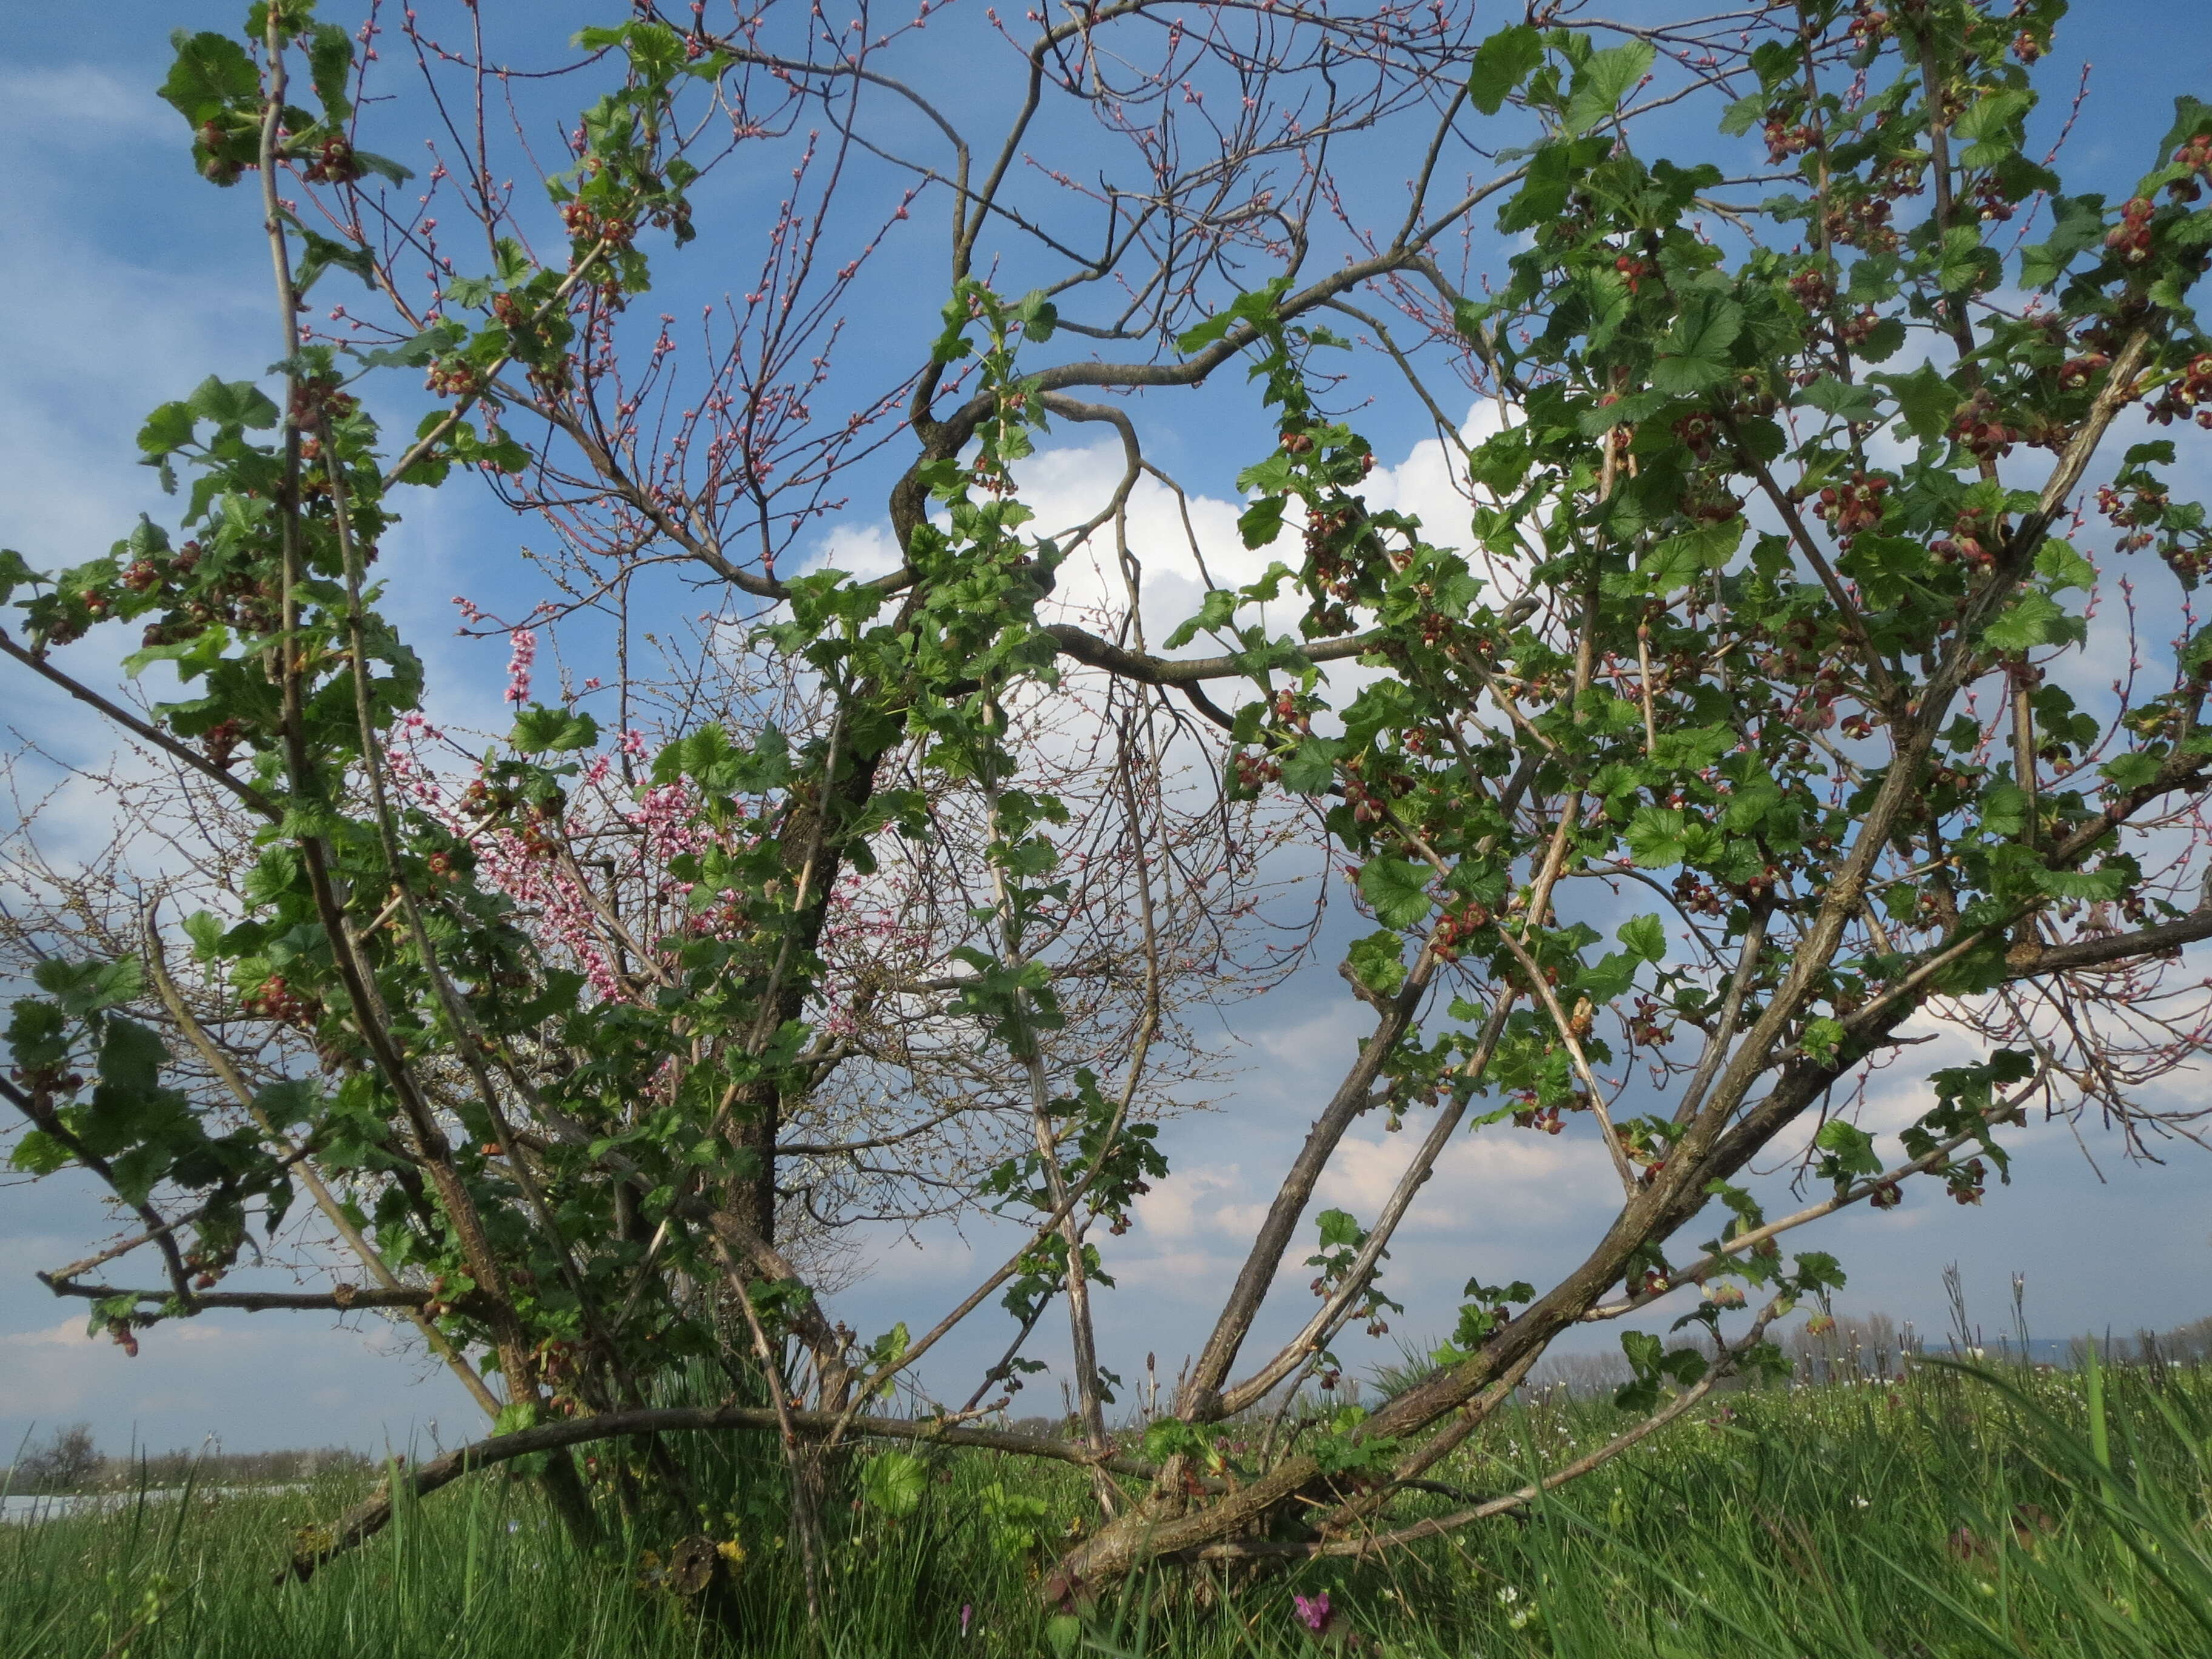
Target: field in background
x,y
2021,1512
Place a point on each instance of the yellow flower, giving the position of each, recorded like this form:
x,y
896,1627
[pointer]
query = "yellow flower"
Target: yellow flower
x,y
732,1552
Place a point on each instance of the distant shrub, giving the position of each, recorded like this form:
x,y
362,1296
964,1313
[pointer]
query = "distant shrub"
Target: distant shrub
x,y
68,1460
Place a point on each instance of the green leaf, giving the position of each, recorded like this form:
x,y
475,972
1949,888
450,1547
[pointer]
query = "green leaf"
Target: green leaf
x,y
86,987
205,930
1543,191
232,403
1037,315
2059,563
1925,400
1641,1396
1646,936
289,1100
1965,265
2027,621
1850,1151
2191,116
2004,810
131,1057
1311,767
1609,978
168,428
135,1173
38,1154
2169,291
1891,569
1376,963
15,573
38,1034
1218,609
323,252
2080,886
1199,335
2078,224
1834,396
1656,837
894,1482
426,347
1501,64
1339,1230
1817,1270
1990,126
1821,1038
1741,116
211,72
1398,888
538,729
330,57
1595,418
2131,770
1679,561
1694,351
1600,84
1262,522
1884,341
383,166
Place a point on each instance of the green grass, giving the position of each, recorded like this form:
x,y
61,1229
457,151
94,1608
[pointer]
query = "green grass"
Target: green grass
x,y
1939,1515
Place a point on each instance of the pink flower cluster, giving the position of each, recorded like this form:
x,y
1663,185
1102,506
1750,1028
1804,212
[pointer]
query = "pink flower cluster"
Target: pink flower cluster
x,y
1315,1613
524,859
518,662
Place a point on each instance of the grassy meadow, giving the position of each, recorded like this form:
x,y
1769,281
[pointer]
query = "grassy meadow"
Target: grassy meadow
x,y
2052,1515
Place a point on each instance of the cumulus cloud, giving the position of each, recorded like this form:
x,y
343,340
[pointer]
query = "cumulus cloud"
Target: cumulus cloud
x,y
1204,1201
1179,543
1510,1179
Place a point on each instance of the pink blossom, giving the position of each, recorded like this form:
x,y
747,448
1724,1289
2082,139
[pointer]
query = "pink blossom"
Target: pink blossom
x,y
519,663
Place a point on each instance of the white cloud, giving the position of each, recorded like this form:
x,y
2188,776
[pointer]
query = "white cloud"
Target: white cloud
x,y
1199,1202
1182,544
67,1334
865,551
1522,1178
80,104
1320,1044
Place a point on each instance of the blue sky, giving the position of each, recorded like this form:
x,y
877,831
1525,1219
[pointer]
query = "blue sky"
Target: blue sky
x,y
130,282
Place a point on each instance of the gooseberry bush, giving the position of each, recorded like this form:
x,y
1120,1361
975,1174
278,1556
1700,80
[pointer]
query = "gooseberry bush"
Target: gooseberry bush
x,y
1757,721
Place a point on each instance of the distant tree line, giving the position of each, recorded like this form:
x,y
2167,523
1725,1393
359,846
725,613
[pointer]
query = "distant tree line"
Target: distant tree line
x,y
69,1460
1850,1347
